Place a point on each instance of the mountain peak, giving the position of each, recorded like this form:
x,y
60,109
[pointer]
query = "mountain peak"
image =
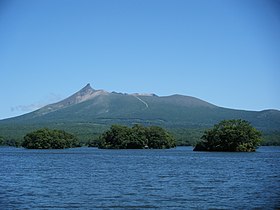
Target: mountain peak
x,y
86,93
88,86
87,89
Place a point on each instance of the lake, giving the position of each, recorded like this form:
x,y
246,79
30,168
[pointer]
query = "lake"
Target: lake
x,y
90,178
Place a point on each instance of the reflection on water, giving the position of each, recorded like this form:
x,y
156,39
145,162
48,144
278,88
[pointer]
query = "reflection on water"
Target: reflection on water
x,y
90,178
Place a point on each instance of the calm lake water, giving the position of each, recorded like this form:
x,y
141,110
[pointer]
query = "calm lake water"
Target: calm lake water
x,y
89,178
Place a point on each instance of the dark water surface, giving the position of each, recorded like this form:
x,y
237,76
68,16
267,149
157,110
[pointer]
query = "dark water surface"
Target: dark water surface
x,y
89,178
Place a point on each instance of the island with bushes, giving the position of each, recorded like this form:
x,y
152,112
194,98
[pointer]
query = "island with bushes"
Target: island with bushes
x,y
230,136
49,139
136,137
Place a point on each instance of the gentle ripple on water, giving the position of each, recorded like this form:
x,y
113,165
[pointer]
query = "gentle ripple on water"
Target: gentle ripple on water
x,y
88,178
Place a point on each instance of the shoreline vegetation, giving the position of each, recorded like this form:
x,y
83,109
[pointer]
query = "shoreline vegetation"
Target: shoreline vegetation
x,y
228,135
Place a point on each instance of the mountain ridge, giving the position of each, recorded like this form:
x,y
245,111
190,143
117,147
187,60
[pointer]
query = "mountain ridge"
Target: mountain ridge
x,y
88,93
89,110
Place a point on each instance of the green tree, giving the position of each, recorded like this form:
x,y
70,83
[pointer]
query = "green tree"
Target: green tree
x,y
159,138
230,135
137,137
49,139
116,137
10,142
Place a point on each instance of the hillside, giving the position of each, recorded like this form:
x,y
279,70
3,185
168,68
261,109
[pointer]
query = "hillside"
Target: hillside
x,y
89,111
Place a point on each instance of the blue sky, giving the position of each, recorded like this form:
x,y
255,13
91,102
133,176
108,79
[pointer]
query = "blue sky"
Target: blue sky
x,y
226,52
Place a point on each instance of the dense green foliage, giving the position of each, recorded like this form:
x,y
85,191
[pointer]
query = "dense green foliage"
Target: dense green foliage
x,y
10,142
1,140
49,139
187,136
231,136
137,137
271,138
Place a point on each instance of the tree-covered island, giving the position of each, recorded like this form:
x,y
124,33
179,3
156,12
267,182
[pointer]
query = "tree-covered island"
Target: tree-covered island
x,y
137,137
230,136
49,139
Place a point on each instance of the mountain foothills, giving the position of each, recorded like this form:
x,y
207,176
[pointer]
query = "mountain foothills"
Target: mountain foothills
x,y
90,112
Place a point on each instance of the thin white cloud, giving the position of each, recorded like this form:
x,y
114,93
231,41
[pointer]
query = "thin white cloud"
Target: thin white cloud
x,y
51,98
26,108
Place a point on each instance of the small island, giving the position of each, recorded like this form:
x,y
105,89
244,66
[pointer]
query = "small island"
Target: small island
x,y
137,137
230,136
49,139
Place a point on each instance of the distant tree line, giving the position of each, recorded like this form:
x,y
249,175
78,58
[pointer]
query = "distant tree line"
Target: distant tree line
x,y
10,142
1,140
136,137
